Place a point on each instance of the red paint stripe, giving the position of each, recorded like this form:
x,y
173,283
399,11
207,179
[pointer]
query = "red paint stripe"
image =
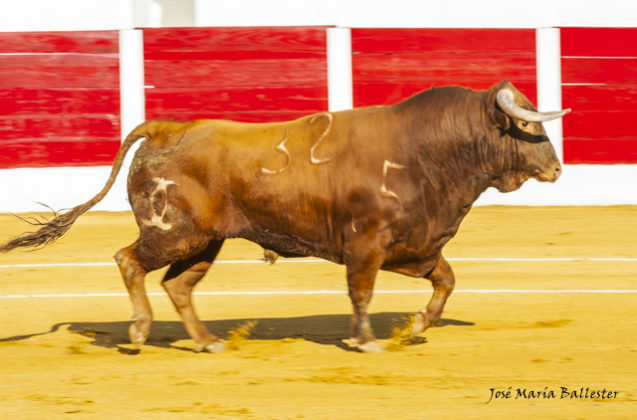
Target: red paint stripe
x,y
461,68
226,103
600,98
599,42
59,102
229,55
251,116
602,62
404,40
54,71
391,64
81,127
59,98
45,153
164,43
79,42
599,70
380,93
601,151
601,124
600,137
246,74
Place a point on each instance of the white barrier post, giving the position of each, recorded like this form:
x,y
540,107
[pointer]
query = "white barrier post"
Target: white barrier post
x,y
339,69
549,81
131,79
132,104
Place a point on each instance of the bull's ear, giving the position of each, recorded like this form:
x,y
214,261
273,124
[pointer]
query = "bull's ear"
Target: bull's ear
x,y
496,116
501,120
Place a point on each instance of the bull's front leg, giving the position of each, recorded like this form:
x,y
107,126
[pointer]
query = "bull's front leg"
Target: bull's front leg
x,y
443,281
361,276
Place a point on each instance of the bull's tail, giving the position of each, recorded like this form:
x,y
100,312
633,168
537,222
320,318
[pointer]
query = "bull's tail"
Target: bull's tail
x,y
54,228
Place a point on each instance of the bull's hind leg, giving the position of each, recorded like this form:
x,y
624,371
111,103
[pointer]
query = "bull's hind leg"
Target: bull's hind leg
x,y
134,276
179,281
443,281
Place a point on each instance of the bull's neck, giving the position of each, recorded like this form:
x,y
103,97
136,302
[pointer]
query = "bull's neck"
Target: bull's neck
x,y
456,165
458,172
457,149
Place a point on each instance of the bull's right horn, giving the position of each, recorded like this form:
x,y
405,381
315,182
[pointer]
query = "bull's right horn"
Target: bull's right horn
x,y
504,98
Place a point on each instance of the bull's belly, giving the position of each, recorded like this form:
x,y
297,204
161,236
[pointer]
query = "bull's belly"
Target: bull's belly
x,y
415,268
291,247
414,262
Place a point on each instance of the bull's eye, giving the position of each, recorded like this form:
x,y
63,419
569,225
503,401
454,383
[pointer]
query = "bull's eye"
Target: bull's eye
x,y
524,123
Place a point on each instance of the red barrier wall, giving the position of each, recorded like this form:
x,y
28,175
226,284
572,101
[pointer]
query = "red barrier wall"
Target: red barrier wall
x,y
59,91
392,64
599,77
59,98
244,74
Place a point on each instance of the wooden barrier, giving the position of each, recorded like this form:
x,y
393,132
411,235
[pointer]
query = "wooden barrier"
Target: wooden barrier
x,y
60,102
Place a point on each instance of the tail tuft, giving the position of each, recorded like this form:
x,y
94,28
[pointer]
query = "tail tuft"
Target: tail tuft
x,y
51,230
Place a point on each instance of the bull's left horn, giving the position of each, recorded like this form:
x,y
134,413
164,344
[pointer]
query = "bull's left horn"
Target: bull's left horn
x,y
504,98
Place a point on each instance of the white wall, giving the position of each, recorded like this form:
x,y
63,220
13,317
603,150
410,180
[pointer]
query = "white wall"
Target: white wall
x,y
77,15
579,185
177,12
418,13
47,15
63,188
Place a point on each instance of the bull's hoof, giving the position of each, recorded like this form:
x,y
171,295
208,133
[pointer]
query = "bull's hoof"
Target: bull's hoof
x,y
216,347
352,342
137,337
420,324
372,347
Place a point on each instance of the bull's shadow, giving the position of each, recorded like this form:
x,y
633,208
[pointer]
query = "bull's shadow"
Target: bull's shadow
x,y
321,329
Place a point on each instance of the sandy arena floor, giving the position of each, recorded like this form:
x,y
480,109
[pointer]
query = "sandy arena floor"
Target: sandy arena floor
x,y
545,305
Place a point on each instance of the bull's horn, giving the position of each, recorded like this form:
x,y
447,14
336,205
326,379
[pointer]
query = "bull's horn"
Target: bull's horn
x,y
504,98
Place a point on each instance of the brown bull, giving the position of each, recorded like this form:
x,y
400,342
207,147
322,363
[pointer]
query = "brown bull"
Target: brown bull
x,y
378,188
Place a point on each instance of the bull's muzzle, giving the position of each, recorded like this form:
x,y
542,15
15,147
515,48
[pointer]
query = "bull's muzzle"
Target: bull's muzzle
x,y
551,174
